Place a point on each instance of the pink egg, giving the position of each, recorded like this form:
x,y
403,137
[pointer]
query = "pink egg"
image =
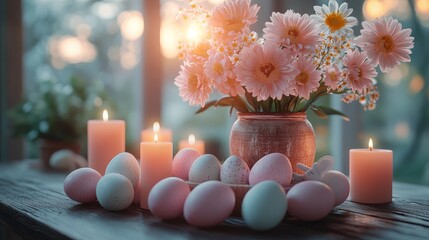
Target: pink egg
x,y
339,184
274,166
182,162
209,204
167,197
310,200
80,185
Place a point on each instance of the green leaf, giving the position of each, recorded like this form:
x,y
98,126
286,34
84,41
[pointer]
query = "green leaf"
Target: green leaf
x,y
330,111
320,113
206,106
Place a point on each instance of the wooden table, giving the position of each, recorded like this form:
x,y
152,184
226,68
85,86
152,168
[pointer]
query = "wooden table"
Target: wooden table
x,y
33,204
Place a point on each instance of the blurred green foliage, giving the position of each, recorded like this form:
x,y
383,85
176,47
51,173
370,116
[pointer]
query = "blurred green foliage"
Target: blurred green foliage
x,y
59,110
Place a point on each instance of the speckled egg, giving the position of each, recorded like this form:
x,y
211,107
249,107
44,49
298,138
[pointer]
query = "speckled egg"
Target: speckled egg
x,y
63,160
234,171
274,166
209,204
80,185
115,192
264,206
310,200
183,161
125,164
339,184
205,168
167,197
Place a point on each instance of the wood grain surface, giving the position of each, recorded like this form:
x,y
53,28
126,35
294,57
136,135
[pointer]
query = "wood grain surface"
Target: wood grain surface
x,y
33,204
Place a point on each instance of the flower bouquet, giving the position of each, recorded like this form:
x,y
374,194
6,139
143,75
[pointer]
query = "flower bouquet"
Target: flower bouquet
x,y
299,58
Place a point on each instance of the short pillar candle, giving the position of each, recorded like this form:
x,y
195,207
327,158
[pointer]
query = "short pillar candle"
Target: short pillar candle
x,y
371,175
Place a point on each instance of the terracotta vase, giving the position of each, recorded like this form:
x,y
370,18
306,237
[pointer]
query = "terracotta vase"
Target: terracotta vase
x,y
255,135
49,147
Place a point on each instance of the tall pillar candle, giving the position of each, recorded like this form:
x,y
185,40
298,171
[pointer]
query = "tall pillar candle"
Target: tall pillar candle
x,y
106,138
156,164
371,175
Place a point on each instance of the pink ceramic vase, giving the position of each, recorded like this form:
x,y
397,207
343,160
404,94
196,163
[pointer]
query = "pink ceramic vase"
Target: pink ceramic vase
x,y
255,135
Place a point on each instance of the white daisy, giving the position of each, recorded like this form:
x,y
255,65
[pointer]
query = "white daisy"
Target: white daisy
x,y
334,18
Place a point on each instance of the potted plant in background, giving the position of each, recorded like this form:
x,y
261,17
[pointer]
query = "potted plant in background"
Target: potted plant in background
x,y
56,114
273,80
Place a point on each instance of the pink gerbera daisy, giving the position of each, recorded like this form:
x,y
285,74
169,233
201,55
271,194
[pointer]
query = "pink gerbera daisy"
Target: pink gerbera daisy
x,y
264,71
193,84
306,77
385,42
234,15
360,73
332,77
219,69
292,31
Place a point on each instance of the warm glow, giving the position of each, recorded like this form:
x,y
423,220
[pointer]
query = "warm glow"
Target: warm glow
x,y
156,127
422,6
375,8
105,115
216,2
194,33
132,24
417,84
370,145
155,138
71,49
191,139
169,40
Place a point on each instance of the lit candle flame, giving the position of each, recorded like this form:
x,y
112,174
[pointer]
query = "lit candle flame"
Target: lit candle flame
x,y
156,127
370,145
155,138
191,139
105,115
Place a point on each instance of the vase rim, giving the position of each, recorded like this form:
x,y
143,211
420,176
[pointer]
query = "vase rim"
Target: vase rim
x,y
258,115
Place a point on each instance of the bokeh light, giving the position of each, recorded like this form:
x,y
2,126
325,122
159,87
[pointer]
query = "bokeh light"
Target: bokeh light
x,y
417,84
131,24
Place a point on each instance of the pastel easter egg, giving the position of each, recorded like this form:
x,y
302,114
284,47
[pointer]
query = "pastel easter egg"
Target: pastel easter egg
x,y
80,161
80,185
115,192
183,161
274,166
339,184
205,168
167,197
310,200
234,171
209,204
63,160
264,205
125,164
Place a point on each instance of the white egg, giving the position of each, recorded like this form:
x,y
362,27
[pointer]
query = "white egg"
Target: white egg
x,y
205,168
115,192
127,165
264,205
339,184
234,171
63,160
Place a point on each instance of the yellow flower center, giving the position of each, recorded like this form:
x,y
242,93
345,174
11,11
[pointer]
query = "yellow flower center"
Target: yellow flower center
x,y
267,69
233,24
335,21
386,44
217,68
201,49
302,78
193,83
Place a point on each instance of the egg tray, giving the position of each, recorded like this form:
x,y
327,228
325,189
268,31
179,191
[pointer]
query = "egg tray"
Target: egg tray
x,y
240,191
